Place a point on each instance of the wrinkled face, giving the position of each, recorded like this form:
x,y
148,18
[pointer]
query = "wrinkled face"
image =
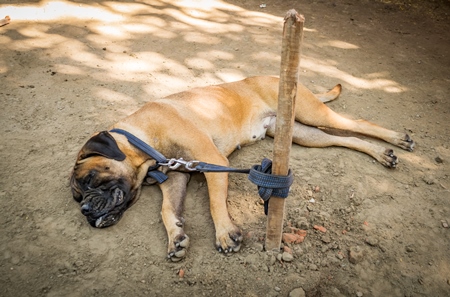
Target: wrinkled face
x,y
102,182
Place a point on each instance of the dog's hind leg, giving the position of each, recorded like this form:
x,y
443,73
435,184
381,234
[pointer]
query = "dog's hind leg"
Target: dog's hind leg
x,y
311,110
174,193
313,137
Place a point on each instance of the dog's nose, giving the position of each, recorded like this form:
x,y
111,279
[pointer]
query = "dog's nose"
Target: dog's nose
x,y
85,209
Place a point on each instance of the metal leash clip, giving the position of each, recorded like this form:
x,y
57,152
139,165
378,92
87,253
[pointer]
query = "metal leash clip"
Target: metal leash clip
x,y
174,164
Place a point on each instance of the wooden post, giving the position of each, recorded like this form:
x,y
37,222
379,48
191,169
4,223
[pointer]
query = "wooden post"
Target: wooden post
x,y
290,61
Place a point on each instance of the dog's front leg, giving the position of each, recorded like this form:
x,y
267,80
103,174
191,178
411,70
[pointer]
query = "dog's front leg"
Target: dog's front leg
x,y
228,236
174,193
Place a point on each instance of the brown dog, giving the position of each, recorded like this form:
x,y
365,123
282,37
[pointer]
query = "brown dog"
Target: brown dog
x,y
206,124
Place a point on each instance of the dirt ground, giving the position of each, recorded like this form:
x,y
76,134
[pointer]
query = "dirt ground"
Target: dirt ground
x,y
70,68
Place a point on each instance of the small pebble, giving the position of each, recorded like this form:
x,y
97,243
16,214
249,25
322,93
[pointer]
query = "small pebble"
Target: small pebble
x,y
429,180
355,255
287,249
372,241
258,246
359,294
273,259
298,292
279,257
326,239
439,160
320,228
302,223
287,257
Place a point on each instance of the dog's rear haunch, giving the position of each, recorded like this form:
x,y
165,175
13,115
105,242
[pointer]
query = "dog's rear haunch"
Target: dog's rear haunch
x,y
206,124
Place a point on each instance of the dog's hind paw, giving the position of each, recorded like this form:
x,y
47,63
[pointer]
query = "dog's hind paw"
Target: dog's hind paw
x,y
407,143
230,242
177,249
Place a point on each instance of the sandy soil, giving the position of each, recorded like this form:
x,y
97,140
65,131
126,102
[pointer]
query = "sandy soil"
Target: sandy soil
x,y
69,69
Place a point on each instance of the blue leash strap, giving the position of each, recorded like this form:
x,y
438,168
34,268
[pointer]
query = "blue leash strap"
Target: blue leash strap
x,y
269,184
261,175
206,167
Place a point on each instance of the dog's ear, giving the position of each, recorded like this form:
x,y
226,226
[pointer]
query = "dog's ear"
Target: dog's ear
x,y
102,144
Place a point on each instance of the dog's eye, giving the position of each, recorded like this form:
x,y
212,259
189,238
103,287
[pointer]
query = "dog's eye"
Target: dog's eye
x,y
89,177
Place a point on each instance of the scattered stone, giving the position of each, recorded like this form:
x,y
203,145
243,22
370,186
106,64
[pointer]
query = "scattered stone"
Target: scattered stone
x,y
292,238
439,160
272,259
429,179
279,257
259,247
287,249
79,263
420,280
444,223
298,292
409,249
181,273
359,294
326,239
288,237
323,216
302,223
355,255
251,259
277,289
287,257
372,241
313,267
298,231
340,256
320,228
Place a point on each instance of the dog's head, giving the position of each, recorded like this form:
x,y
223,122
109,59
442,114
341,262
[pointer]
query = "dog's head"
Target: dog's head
x,y
105,180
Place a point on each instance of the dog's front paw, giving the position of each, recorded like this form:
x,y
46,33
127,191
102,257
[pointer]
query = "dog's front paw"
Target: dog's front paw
x,y
229,240
388,159
178,247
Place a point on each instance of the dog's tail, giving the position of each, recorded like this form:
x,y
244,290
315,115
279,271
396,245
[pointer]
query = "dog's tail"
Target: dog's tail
x,y
330,95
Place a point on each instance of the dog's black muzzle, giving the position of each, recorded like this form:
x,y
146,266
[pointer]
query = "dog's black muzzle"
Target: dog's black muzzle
x,y
103,208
